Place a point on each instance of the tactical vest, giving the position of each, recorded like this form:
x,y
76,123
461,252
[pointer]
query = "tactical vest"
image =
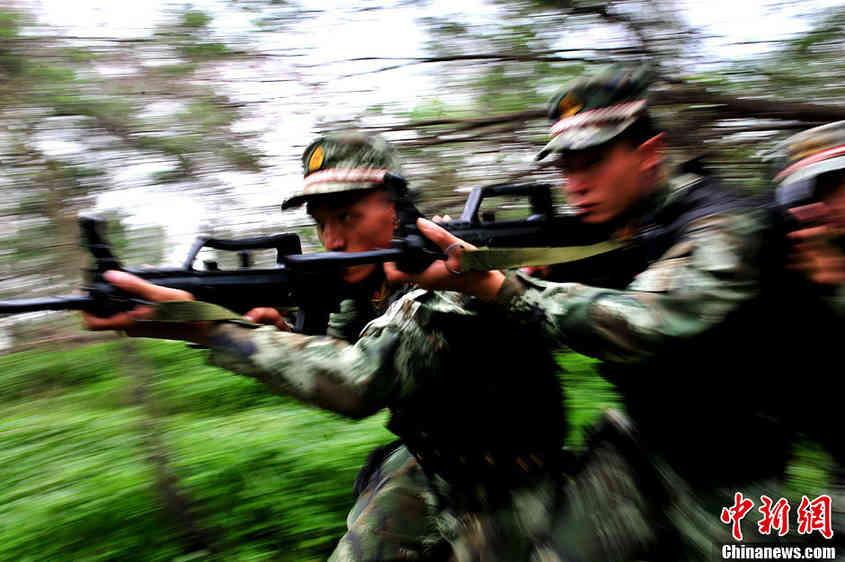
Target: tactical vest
x,y
491,417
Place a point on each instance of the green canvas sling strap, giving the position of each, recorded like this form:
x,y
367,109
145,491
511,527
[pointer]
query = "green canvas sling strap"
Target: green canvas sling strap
x,y
196,311
485,259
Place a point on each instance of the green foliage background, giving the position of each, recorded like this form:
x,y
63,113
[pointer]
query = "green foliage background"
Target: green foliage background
x,y
266,478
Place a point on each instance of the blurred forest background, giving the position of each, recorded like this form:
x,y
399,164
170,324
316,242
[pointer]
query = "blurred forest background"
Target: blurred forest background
x,y
173,120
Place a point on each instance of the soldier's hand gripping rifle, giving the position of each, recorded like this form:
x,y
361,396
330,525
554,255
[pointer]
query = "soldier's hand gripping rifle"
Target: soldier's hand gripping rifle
x,y
310,282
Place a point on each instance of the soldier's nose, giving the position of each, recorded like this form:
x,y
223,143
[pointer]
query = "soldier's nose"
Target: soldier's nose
x,y
575,184
336,244
332,239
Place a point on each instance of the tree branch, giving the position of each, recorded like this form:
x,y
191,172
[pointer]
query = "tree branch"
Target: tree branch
x,y
486,58
750,107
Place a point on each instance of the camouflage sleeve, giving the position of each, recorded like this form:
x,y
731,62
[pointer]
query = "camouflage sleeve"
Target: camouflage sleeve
x,y
353,380
692,287
345,323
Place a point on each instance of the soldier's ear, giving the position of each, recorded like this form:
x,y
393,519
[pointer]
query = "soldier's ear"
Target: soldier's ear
x,y
653,151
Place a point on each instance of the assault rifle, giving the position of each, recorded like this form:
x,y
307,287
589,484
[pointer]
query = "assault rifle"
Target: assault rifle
x,y
311,282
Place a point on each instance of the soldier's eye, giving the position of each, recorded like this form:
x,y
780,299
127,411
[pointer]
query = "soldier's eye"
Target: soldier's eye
x,y
347,218
592,160
583,161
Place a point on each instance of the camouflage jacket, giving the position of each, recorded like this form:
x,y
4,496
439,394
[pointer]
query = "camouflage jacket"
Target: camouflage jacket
x,y
444,364
708,272
477,402
680,340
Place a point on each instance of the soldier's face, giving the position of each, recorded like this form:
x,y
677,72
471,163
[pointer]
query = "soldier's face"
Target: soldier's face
x,y
603,182
364,225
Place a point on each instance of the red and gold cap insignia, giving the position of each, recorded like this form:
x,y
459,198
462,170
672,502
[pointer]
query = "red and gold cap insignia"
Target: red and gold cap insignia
x,y
569,105
316,159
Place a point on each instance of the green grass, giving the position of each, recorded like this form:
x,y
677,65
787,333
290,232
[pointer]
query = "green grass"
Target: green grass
x,y
267,478
587,394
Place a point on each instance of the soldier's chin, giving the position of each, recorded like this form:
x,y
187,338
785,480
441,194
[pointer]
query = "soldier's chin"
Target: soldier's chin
x,y
358,273
596,216
591,217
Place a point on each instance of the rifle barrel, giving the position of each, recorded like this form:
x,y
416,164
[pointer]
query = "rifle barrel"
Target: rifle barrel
x,y
69,302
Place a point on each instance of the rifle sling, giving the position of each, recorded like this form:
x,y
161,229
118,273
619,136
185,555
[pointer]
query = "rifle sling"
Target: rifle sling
x,y
196,311
485,259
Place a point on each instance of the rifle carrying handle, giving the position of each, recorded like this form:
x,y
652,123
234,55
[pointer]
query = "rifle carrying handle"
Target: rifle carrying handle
x,y
539,196
285,245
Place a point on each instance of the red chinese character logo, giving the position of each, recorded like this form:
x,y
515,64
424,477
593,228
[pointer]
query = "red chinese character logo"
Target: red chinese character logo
x,y
815,516
774,517
735,513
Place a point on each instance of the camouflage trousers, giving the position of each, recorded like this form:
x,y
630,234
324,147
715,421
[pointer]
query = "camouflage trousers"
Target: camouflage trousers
x,y
608,510
515,529
392,518
403,514
619,507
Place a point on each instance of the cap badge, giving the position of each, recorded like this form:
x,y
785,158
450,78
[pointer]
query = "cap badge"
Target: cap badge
x,y
569,105
316,159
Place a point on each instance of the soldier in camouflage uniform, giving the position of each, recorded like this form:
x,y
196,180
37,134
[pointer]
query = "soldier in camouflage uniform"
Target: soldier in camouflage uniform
x,y
389,519
671,324
813,175
481,449
811,188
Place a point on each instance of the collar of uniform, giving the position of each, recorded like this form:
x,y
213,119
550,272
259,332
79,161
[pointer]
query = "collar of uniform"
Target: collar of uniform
x,y
670,191
679,184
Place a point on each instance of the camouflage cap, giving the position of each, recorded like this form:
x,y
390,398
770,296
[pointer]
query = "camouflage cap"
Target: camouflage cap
x,y
812,152
342,162
593,110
